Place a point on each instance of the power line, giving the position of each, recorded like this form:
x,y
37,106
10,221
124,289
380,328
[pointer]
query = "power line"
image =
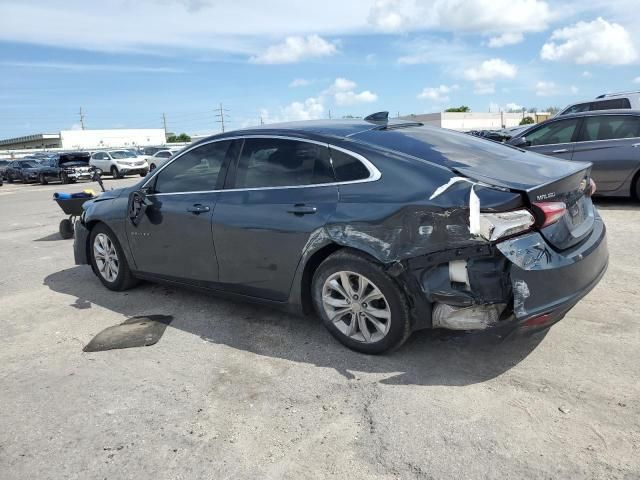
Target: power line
x,y
220,116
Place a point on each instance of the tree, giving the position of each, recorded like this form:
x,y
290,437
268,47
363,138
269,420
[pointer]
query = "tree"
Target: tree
x,y
461,108
182,138
527,121
553,110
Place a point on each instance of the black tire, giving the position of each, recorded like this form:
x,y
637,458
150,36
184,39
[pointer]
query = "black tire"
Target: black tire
x,y
43,179
152,167
9,179
352,261
115,173
124,279
66,229
144,173
635,188
64,178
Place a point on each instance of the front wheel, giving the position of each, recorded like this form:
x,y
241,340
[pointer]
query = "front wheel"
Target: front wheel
x,y
144,173
108,260
43,179
115,173
64,178
360,304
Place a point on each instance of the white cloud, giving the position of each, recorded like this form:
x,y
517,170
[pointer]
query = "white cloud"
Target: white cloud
x,y
591,42
586,74
490,69
299,82
574,90
484,88
544,88
636,80
507,38
343,92
461,16
311,109
90,67
295,49
513,106
437,94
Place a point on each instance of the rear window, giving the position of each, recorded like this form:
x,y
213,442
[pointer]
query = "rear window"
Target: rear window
x,y
438,145
346,167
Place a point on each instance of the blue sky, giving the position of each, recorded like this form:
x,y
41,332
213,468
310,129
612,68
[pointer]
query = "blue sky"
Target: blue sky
x,y
126,62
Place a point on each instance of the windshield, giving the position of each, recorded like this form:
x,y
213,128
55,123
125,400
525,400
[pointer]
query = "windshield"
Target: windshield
x,y
29,164
122,154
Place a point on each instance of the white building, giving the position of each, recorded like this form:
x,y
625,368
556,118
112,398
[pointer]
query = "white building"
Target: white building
x,y
465,121
87,139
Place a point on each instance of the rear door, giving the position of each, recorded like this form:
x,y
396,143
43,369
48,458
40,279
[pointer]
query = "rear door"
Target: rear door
x,y
612,144
554,138
173,239
280,195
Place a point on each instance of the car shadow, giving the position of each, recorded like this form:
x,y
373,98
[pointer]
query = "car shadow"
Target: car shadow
x,y
616,203
50,238
428,358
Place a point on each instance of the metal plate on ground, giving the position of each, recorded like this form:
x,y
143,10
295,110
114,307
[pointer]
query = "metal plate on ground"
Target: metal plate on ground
x,y
139,331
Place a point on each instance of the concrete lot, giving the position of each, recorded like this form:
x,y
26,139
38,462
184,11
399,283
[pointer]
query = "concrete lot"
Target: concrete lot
x,y
239,391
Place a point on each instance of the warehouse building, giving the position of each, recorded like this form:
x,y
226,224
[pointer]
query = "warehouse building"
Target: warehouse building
x,y
87,139
465,121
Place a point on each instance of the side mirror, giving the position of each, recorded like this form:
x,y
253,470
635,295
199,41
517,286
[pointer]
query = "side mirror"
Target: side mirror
x,y
521,142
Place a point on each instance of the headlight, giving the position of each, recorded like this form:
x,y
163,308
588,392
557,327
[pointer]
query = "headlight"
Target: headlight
x,y
504,224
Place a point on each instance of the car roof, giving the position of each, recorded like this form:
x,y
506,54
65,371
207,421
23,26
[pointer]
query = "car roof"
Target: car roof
x,y
591,113
315,128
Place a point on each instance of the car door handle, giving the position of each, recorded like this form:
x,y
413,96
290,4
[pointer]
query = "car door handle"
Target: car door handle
x,y
562,150
197,208
302,209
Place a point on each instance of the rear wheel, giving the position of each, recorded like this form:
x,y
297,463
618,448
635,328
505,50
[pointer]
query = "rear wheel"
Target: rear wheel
x,y
43,179
108,260
360,304
152,166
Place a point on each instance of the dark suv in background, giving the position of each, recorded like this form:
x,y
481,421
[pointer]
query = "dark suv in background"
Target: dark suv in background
x,y
66,167
24,170
610,140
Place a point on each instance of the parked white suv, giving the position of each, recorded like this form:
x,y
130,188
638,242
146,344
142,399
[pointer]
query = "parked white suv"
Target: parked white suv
x,y
119,163
608,101
160,158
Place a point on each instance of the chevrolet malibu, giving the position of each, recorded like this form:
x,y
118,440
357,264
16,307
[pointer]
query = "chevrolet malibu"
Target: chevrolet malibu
x,y
380,227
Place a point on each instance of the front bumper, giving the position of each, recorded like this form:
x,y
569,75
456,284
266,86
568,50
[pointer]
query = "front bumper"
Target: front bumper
x,y
81,235
546,284
80,175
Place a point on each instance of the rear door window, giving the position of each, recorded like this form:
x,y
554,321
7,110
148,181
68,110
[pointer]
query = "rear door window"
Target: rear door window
x,y
612,104
347,168
581,107
609,127
196,171
274,162
553,133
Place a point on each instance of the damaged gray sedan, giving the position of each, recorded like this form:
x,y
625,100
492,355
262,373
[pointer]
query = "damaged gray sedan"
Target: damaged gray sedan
x,y
379,227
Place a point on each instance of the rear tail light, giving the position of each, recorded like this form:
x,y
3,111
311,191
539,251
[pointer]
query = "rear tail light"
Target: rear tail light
x,y
549,212
494,226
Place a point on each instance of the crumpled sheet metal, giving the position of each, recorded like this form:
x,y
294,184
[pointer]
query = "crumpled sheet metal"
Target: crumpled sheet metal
x,y
139,331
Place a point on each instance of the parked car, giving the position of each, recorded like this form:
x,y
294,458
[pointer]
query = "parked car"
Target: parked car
x,y
66,167
608,101
161,157
3,167
380,226
23,170
610,140
119,163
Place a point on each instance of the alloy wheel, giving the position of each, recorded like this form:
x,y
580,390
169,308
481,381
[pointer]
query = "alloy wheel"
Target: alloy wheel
x,y
106,256
356,306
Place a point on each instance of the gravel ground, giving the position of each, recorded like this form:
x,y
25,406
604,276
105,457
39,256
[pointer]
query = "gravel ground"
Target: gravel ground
x,y
242,391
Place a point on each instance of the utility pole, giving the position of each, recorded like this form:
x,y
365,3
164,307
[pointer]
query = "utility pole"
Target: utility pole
x,y
261,121
164,122
220,116
81,119
329,114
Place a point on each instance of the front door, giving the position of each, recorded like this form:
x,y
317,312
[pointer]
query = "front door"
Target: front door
x,y
173,239
281,196
554,138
